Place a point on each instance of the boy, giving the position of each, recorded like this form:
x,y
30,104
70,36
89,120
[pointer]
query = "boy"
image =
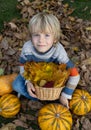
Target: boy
x,y
44,46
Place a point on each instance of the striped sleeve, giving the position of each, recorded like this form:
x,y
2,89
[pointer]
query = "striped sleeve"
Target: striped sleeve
x,y
23,56
72,81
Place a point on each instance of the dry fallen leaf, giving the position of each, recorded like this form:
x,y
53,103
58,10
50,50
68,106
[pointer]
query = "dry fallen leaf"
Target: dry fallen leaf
x,y
26,2
87,61
1,37
88,28
4,44
9,126
65,43
34,105
12,25
86,124
18,122
77,125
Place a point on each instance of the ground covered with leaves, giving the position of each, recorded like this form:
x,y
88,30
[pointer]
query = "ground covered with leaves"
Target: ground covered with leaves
x,y
75,37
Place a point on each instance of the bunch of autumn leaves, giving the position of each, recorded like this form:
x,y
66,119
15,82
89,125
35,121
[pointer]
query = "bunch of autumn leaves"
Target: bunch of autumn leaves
x,y
46,74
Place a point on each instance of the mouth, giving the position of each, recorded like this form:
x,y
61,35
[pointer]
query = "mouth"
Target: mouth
x,y
41,45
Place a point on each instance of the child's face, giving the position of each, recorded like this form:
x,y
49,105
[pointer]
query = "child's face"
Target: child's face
x,y
42,41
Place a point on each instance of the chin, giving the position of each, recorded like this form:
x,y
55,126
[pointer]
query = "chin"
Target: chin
x,y
42,51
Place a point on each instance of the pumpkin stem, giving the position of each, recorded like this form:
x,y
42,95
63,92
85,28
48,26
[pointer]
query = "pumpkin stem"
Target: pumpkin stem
x,y
83,97
57,115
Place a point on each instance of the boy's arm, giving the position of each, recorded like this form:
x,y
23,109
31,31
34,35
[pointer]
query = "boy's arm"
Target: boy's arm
x,y
22,61
74,75
72,81
23,58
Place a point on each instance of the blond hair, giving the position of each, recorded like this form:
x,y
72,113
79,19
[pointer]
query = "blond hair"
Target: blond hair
x,y
44,22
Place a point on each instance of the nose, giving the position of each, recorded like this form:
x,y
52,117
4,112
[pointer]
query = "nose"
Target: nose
x,y
41,38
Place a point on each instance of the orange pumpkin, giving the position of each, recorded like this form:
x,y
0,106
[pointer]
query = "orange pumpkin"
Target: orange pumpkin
x,y
54,117
80,104
9,105
6,83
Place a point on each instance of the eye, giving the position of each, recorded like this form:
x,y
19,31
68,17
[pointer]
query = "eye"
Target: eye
x,y
47,35
36,35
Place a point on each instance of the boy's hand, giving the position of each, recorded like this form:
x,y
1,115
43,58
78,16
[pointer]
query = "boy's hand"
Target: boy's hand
x,y
64,101
31,89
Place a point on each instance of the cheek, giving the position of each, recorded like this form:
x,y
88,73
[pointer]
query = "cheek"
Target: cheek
x,y
34,40
50,42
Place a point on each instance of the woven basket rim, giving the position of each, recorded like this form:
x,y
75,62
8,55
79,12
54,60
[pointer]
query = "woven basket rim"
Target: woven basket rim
x,y
36,86
48,93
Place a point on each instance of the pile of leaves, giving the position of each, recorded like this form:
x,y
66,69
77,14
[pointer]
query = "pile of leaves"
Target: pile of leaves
x,y
75,37
54,74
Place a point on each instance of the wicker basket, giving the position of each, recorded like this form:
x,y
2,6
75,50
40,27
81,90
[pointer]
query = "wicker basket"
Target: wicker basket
x,y
48,93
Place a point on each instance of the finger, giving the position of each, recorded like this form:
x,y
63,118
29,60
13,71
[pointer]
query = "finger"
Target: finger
x,y
67,104
64,102
32,94
32,88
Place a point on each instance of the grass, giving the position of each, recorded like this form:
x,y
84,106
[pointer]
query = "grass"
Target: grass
x,y
82,8
9,11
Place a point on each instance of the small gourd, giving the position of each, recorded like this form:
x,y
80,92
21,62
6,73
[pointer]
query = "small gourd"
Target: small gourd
x,y
54,117
9,105
6,83
80,104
